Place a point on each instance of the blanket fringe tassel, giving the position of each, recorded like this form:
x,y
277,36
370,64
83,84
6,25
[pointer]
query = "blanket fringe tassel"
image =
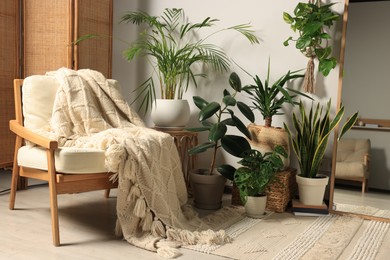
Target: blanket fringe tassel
x,y
158,229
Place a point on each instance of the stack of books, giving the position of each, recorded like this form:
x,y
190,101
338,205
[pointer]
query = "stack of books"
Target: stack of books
x,y
300,209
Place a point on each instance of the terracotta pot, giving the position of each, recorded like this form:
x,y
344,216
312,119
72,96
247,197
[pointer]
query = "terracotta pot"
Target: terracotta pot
x,y
312,190
207,189
255,206
172,113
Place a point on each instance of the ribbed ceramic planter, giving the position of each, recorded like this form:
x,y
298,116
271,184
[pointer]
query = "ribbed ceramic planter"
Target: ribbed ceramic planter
x,y
170,113
312,190
207,189
255,206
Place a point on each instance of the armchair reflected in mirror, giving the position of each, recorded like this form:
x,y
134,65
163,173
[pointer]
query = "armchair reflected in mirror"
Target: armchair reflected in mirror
x,y
363,87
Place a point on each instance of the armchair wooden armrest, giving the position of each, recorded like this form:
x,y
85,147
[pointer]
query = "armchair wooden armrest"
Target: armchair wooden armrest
x,y
28,135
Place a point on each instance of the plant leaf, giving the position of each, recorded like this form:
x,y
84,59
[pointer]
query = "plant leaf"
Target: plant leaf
x,y
235,145
227,171
208,111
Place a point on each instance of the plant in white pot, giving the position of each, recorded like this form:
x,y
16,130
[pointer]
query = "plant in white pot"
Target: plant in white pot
x,y
253,178
172,48
207,184
309,143
269,98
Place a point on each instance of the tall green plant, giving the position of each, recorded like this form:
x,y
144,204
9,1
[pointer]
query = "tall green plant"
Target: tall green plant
x,y
223,117
172,48
311,135
269,98
258,171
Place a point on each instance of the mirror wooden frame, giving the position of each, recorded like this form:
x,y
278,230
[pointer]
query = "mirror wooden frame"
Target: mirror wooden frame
x,y
334,152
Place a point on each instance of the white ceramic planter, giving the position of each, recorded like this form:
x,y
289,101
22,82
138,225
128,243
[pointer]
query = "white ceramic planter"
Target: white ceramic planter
x,y
312,190
170,113
255,206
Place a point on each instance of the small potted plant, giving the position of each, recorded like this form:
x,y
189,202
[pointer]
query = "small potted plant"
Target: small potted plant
x,y
269,98
309,143
311,20
172,47
208,185
253,178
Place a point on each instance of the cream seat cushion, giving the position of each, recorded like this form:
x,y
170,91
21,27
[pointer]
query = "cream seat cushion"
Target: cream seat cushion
x,y
350,158
39,93
67,159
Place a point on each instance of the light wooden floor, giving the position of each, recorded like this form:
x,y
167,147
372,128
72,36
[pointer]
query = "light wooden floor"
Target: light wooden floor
x,y
87,224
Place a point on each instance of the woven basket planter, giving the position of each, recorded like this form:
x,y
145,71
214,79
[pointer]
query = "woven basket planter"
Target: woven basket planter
x,y
282,191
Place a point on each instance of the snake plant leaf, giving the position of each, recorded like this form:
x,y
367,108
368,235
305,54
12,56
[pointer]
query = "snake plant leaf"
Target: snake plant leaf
x,y
201,148
209,110
227,171
235,145
351,121
199,102
235,82
217,132
246,111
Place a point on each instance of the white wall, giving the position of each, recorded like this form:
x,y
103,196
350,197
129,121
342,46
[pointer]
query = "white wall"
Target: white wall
x,y
265,17
366,87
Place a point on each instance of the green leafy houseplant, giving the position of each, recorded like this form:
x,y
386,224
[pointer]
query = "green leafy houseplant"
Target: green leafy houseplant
x,y
269,98
171,45
310,20
217,137
311,135
258,171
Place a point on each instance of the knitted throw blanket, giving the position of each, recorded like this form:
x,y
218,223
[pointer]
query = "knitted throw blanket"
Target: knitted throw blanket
x,y
151,198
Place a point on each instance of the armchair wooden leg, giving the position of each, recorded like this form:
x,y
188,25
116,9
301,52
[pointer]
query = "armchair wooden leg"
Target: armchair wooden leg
x,y
53,199
107,193
15,175
14,184
364,185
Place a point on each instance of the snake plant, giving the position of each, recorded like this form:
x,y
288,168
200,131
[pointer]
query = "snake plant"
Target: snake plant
x,y
312,133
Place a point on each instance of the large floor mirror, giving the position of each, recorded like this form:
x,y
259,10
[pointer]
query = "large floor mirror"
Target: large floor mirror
x,y
365,87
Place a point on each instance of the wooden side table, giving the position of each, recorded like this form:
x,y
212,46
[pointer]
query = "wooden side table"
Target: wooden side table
x,y
184,140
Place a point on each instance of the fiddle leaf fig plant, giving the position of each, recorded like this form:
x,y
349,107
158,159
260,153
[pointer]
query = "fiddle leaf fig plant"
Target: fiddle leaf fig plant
x,y
258,171
223,117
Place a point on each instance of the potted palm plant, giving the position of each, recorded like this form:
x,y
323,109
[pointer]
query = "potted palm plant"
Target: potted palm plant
x,y
312,131
269,98
207,184
253,178
311,20
172,49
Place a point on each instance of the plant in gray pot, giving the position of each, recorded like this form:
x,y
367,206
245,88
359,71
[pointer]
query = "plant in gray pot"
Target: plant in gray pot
x,y
312,131
253,178
208,184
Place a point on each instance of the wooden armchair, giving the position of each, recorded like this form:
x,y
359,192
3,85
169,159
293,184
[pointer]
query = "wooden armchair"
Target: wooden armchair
x,y
353,160
67,170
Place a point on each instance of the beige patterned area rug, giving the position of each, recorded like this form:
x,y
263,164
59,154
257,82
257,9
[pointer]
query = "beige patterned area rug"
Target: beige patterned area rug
x,y
285,236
